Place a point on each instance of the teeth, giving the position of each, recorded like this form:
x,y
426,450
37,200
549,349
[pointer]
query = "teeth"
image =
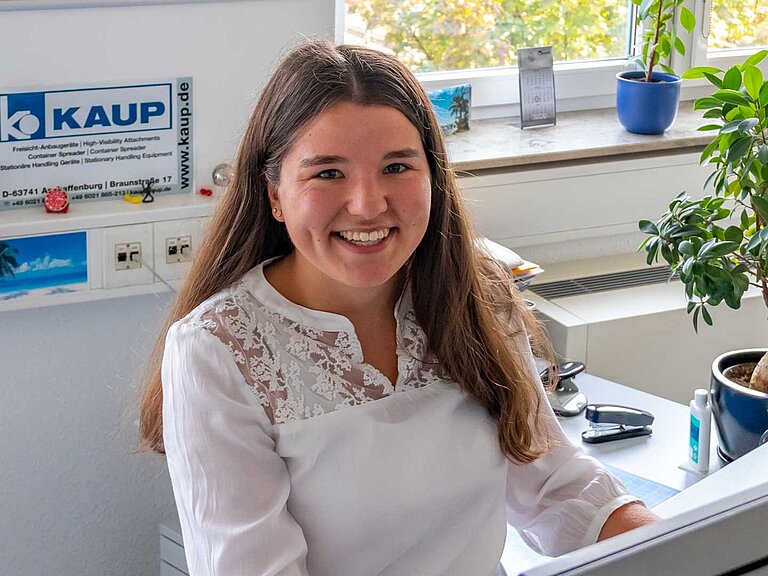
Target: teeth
x,y
366,238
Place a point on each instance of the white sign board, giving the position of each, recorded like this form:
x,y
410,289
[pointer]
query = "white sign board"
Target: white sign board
x,y
95,143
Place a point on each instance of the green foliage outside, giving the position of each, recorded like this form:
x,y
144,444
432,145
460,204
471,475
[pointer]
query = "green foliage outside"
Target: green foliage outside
x,y
738,24
433,35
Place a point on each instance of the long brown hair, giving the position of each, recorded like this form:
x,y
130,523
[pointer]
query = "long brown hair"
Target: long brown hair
x,y
464,302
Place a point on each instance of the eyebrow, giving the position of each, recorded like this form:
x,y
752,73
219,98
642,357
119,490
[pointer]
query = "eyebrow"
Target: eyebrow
x,y
404,153
319,160
322,159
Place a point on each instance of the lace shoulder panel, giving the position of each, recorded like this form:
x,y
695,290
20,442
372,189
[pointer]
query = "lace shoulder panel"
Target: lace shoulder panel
x,y
297,372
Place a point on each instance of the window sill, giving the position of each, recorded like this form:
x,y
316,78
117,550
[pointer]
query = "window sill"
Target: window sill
x,y
499,143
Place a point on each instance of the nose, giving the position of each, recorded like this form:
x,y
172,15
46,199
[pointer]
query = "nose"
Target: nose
x,y
367,198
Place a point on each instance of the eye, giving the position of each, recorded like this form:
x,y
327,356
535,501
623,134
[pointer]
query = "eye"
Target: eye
x,y
330,174
396,168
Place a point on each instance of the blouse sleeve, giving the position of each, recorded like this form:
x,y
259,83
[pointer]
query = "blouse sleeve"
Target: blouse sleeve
x,y
560,501
230,485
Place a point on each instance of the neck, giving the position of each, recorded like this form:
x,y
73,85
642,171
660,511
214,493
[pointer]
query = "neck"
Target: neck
x,y
299,285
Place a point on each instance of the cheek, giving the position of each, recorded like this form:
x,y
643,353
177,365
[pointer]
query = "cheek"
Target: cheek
x,y
308,214
415,204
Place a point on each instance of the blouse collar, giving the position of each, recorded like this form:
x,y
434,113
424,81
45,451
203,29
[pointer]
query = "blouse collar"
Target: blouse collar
x,y
268,295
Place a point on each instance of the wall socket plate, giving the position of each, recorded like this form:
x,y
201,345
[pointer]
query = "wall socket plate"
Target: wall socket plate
x,y
126,250
176,244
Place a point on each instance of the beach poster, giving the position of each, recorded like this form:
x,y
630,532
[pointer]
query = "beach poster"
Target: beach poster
x,y
453,107
41,266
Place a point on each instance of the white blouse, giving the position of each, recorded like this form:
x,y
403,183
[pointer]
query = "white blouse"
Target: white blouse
x,y
290,455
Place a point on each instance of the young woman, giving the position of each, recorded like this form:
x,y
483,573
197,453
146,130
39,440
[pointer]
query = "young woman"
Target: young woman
x,y
347,386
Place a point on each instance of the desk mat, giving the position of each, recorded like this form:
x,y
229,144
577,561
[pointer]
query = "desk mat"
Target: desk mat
x,y
516,552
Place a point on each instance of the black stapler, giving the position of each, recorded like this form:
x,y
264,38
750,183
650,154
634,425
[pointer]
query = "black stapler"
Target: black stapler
x,y
565,399
609,422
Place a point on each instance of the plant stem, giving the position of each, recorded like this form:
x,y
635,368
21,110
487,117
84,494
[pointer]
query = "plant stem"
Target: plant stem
x,y
652,54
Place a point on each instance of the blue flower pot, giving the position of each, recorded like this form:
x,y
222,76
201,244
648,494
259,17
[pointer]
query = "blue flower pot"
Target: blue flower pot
x,y
647,107
741,414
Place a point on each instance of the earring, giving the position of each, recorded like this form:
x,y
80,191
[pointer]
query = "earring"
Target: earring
x,y
277,212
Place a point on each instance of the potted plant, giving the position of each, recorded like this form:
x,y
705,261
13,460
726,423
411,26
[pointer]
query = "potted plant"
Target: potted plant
x,y
719,244
647,101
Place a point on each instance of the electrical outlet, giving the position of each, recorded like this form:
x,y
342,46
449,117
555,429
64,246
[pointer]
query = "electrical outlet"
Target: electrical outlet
x,y
128,256
126,250
176,243
178,249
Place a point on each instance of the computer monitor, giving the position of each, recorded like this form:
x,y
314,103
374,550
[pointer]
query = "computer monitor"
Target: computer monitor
x,y
726,538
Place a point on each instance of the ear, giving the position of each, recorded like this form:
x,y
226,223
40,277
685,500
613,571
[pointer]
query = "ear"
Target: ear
x,y
274,201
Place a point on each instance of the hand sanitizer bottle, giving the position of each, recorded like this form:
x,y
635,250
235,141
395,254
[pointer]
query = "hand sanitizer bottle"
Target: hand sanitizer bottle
x,y
701,416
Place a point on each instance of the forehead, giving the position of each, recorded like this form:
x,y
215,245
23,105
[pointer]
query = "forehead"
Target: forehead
x,y
351,129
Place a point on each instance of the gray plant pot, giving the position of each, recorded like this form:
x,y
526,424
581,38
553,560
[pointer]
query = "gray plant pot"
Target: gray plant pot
x,y
741,414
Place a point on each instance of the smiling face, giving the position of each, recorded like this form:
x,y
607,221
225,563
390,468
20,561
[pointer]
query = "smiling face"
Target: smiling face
x,y
354,194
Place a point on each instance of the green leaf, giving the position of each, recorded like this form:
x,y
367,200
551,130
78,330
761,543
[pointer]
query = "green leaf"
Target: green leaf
x,y
764,94
755,58
738,148
699,71
748,124
645,7
686,248
753,246
732,78
713,113
730,96
714,80
708,149
761,205
753,81
744,219
706,316
687,19
734,234
667,69
648,227
679,46
707,127
731,126
696,318
715,249
762,153
706,103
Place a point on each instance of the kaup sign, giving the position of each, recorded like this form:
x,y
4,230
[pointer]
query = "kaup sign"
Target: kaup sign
x,y
95,142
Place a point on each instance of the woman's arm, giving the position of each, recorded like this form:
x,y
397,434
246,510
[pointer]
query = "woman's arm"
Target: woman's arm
x,y
230,485
626,518
565,499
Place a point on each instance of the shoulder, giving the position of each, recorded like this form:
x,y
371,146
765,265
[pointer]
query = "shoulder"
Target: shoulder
x,y
221,312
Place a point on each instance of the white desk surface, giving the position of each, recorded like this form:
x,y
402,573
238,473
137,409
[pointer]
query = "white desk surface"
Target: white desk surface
x,y
655,457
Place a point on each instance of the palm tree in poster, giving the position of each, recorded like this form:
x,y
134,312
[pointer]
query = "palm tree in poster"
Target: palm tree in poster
x,y
460,108
7,261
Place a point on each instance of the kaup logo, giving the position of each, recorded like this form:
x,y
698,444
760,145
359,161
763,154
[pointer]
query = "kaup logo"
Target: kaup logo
x,y
85,112
22,116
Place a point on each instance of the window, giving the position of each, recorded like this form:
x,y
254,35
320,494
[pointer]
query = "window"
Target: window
x,y
440,35
452,41
738,24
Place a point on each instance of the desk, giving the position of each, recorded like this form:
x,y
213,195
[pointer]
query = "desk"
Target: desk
x,y
655,457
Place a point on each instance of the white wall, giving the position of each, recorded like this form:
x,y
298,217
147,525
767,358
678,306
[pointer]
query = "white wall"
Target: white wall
x,y
73,499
